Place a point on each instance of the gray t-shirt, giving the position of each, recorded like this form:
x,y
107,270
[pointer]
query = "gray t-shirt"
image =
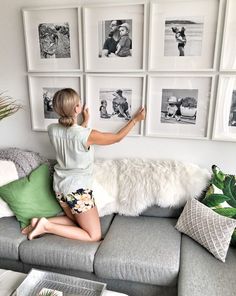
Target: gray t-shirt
x,y
74,168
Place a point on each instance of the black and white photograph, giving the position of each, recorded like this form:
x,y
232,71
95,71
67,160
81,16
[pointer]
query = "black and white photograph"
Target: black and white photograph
x,y
48,94
179,106
224,128
42,88
115,104
183,36
228,54
54,40
232,115
115,38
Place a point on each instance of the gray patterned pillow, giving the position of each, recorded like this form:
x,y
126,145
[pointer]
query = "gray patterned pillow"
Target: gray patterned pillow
x,y
208,228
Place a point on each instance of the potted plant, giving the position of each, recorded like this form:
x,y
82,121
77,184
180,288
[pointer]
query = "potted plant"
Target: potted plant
x,y
188,107
8,106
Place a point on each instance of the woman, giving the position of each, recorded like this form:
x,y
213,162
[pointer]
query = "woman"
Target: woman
x,y
74,168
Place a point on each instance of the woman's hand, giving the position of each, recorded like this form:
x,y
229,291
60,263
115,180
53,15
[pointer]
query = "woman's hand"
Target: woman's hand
x,y
140,115
86,116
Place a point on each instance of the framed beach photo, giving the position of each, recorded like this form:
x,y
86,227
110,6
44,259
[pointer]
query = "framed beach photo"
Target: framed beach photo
x,y
53,39
228,53
113,100
42,88
225,113
114,37
183,35
179,106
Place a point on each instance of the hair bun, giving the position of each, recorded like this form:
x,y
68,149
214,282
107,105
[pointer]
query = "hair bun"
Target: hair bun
x,y
66,121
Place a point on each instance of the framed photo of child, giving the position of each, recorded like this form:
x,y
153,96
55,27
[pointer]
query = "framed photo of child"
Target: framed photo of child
x,y
113,100
184,35
114,37
42,88
53,39
225,113
179,106
228,54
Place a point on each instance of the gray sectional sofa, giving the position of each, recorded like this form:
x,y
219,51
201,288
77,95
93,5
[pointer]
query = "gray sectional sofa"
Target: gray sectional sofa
x,y
139,256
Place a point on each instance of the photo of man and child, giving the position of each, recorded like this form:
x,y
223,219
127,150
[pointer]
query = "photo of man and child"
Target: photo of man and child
x,y
115,38
115,104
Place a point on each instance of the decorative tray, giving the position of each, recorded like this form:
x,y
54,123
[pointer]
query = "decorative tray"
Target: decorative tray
x,y
37,280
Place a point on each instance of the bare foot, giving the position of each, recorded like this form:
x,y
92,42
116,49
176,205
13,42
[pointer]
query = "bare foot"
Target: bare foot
x,y
30,227
39,229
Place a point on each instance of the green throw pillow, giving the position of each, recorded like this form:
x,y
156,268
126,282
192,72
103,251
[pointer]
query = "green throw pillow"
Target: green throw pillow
x,y
221,196
31,196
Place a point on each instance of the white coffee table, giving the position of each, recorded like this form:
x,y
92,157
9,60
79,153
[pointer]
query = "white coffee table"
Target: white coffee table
x,y
10,280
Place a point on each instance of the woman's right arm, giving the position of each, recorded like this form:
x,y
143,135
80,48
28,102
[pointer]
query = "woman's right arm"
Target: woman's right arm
x,y
100,138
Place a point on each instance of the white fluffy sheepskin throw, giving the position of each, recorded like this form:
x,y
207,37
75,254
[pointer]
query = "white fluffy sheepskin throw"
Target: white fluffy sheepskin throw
x,y
130,186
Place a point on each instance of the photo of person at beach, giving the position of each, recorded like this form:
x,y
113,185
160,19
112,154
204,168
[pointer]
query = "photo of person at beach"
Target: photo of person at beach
x,y
183,36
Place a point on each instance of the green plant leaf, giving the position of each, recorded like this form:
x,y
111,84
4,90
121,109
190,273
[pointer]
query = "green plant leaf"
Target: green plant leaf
x,y
230,190
210,190
233,239
218,183
218,173
227,212
215,199
8,106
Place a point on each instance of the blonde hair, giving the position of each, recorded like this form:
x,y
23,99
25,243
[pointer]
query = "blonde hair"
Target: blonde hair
x,y
64,101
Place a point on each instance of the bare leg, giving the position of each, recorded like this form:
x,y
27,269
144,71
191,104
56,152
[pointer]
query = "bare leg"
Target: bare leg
x,y
62,220
89,222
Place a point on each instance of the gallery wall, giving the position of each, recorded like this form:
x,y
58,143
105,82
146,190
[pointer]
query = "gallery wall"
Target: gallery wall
x,y
16,131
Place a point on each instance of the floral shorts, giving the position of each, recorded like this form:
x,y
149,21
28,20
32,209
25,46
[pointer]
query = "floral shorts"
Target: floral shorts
x,y
79,202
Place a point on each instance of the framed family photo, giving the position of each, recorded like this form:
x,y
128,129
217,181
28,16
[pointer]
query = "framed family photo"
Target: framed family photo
x,y
228,53
113,100
53,39
183,35
179,106
42,88
114,37
225,113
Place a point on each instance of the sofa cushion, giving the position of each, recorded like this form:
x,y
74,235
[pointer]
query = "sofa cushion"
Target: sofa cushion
x,y
31,196
208,228
156,211
141,249
54,251
202,274
10,238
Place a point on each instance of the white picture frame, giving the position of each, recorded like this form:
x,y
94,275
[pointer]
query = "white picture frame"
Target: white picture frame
x,y
224,128
179,106
42,87
53,39
228,54
97,23
113,100
184,35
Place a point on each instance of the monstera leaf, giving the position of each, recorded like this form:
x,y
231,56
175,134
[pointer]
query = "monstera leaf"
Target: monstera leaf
x,y
218,177
227,212
215,199
230,190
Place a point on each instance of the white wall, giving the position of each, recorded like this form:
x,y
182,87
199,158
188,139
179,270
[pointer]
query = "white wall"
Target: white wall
x,y
16,131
